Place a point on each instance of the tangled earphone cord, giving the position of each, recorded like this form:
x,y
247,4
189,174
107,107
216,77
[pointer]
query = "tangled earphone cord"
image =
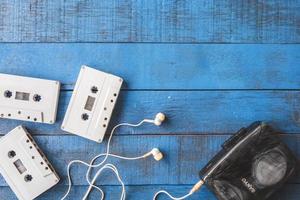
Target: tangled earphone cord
x,y
91,183
106,166
114,169
91,166
107,154
97,165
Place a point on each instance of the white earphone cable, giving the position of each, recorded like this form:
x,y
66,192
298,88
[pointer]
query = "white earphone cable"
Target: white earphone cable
x,y
107,154
91,183
92,166
115,170
195,188
169,195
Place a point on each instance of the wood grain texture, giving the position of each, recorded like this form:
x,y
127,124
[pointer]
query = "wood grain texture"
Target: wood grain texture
x,y
207,90
184,156
197,112
290,192
161,66
185,21
113,193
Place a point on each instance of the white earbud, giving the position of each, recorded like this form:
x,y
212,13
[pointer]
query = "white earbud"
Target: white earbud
x,y
157,154
159,118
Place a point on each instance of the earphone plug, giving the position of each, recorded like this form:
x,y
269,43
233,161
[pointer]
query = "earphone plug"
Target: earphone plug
x,y
159,118
157,155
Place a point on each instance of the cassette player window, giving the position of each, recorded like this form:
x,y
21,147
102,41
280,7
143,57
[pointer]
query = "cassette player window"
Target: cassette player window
x,y
89,103
22,96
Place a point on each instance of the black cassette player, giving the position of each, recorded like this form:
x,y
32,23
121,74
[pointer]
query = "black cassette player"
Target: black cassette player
x,y
252,165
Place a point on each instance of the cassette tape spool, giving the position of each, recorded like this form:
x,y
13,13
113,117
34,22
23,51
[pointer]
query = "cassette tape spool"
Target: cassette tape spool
x,y
92,103
23,165
28,99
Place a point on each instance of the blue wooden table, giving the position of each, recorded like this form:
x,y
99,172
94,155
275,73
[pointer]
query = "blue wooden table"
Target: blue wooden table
x,y
211,66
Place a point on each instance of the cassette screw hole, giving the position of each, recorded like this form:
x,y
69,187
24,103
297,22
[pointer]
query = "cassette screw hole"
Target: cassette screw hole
x,y
104,125
30,147
19,112
11,154
27,141
85,116
28,117
94,89
32,157
37,97
105,108
111,100
115,94
7,94
105,118
46,168
28,178
9,114
34,119
2,114
42,163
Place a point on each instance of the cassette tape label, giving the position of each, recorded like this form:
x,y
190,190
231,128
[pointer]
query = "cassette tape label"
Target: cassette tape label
x,y
29,99
92,103
23,166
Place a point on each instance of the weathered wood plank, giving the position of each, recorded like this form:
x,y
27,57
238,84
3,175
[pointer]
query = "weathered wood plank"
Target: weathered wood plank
x,y
132,193
198,112
188,21
290,192
161,66
184,157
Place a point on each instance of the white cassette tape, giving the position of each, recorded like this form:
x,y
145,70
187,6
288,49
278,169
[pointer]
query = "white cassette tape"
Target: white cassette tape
x,y
23,165
92,104
29,99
